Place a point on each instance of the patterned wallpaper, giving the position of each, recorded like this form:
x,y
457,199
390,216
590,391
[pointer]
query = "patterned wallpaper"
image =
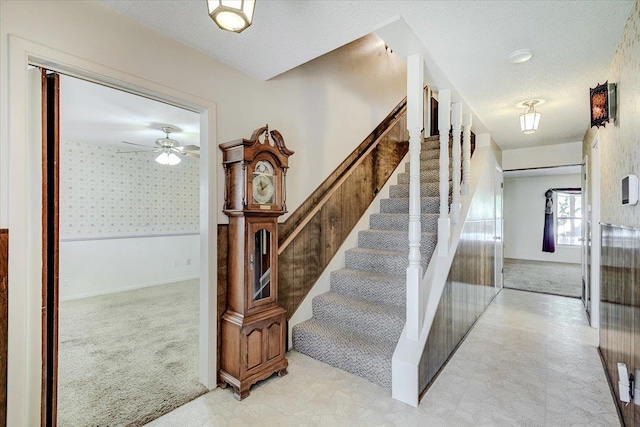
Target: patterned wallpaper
x,y
620,144
104,194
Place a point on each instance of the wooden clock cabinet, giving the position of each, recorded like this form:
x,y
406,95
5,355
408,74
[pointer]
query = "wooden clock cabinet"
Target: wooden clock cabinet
x,y
253,327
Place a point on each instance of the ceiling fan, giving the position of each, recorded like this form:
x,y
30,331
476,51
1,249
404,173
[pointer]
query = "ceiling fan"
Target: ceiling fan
x,y
170,150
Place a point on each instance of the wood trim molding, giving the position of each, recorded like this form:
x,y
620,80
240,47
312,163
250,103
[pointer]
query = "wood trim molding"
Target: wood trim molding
x,y
4,321
50,238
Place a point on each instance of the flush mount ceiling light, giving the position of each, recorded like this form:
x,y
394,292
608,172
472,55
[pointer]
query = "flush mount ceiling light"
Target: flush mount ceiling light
x,y
520,56
232,15
530,118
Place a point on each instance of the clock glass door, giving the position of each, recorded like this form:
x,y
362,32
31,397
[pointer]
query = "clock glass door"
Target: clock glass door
x,y
261,264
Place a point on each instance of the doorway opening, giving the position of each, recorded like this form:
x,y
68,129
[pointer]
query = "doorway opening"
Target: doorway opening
x,y
129,256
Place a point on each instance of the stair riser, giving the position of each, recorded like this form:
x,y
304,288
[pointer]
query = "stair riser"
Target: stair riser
x,y
426,177
400,222
394,241
428,190
385,326
391,292
431,164
401,205
354,360
379,263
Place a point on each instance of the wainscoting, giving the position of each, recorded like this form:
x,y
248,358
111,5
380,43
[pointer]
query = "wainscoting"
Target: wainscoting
x,y
468,291
620,307
4,314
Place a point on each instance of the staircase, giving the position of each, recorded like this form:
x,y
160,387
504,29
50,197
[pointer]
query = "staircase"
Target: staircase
x,y
357,324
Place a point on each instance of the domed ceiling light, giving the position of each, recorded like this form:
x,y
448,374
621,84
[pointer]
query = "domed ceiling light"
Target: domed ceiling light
x,y
232,15
530,118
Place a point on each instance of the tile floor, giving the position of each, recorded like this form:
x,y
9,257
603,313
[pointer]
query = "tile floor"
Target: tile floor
x,y
531,360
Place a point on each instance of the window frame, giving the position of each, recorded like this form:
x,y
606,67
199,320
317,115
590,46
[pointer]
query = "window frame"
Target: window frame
x,y
572,195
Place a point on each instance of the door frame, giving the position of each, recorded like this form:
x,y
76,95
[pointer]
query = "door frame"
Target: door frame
x,y
594,238
25,218
584,247
498,215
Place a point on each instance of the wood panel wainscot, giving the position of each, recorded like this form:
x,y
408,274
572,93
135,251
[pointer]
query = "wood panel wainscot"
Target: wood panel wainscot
x,y
312,235
469,289
620,308
4,306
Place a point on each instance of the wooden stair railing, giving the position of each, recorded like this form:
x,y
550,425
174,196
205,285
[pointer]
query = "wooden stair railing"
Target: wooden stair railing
x,y
314,232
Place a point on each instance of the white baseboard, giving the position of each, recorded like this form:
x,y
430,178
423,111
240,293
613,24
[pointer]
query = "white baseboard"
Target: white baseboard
x,y
125,288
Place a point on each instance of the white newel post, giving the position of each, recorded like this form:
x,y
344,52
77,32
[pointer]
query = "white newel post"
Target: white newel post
x,y
466,153
415,108
444,112
456,123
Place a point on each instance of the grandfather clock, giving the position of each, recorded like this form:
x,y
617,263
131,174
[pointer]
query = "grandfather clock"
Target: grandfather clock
x,y
253,326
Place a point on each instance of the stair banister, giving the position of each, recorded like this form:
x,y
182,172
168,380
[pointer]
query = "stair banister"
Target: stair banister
x,y
456,122
415,123
444,123
466,153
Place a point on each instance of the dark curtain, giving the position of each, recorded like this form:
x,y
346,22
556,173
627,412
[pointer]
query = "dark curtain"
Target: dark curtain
x,y
548,237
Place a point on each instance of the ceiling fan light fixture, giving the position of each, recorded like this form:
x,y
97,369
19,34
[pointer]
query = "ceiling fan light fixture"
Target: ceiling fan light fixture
x,y
232,15
530,118
168,159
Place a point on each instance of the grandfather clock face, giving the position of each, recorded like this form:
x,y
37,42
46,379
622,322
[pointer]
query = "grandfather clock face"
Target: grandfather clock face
x,y
264,183
261,261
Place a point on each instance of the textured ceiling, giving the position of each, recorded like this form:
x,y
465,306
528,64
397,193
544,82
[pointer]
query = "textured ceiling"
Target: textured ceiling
x,y
573,43
91,113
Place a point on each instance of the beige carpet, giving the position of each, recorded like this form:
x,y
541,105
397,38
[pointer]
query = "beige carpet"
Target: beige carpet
x,y
128,358
557,278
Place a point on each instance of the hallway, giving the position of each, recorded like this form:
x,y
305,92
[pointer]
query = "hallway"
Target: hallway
x,y
531,360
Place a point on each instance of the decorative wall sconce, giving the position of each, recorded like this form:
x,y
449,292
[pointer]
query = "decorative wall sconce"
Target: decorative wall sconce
x,y
530,118
603,104
232,15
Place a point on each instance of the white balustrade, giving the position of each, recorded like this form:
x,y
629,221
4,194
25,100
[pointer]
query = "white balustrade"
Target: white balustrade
x,y
444,225
456,123
466,153
415,118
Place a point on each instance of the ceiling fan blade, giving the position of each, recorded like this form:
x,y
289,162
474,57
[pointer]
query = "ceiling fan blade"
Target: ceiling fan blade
x,y
133,143
188,148
136,151
187,154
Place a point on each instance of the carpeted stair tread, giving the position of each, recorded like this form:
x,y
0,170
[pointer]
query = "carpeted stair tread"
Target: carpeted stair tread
x,y
345,349
427,164
399,221
401,205
375,319
426,176
430,189
396,240
369,286
378,260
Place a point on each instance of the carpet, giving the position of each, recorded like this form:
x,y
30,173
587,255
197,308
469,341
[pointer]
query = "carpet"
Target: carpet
x,y
127,358
557,278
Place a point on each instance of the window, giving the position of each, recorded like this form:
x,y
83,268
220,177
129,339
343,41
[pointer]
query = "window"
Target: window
x,y
568,218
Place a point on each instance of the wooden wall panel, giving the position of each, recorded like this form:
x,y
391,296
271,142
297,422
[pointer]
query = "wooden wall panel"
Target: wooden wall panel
x,y
4,321
620,307
304,258
223,251
468,291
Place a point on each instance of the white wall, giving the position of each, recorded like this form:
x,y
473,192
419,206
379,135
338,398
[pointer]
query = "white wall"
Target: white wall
x,y
548,155
95,267
524,204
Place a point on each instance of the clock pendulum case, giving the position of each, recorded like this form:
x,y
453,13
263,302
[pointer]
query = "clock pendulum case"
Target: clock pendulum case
x,y
253,327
